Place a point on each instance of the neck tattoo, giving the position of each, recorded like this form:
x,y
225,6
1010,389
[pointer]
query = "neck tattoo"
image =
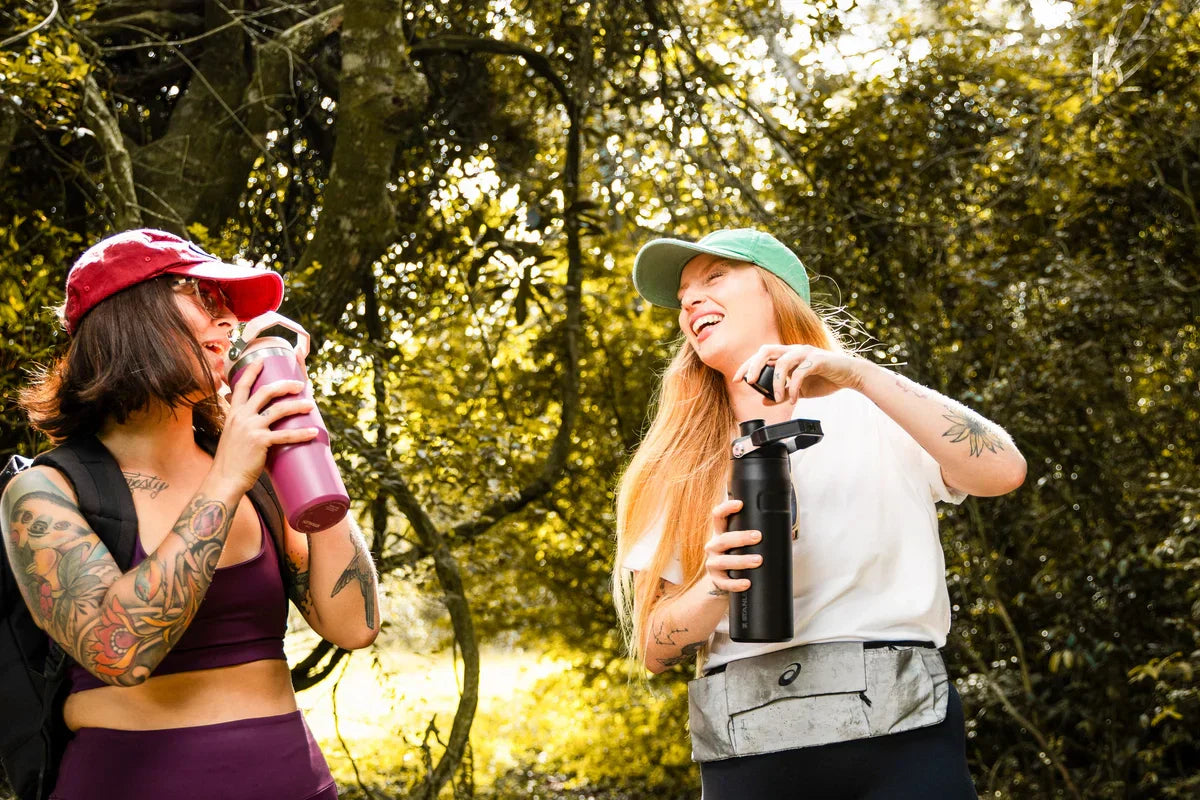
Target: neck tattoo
x,y
151,484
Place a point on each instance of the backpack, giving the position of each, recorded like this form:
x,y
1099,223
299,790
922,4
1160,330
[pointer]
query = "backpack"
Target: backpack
x,y
33,668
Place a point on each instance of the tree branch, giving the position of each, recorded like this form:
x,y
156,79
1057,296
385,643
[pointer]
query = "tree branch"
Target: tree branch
x,y
119,187
49,18
1051,752
572,289
714,80
196,171
10,122
450,577
276,66
972,505
179,24
432,541
307,673
460,43
337,730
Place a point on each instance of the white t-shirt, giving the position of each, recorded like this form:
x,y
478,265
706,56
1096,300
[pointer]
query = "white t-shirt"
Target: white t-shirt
x,y
867,563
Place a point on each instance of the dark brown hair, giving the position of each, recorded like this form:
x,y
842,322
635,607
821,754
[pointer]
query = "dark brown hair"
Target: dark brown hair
x,y
131,348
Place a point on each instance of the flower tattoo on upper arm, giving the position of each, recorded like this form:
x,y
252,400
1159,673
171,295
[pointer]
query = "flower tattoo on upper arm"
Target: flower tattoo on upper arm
x,y
972,429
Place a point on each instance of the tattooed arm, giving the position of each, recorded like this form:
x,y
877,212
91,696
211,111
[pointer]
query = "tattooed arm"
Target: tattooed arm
x,y
683,618
681,622
118,626
975,454
333,583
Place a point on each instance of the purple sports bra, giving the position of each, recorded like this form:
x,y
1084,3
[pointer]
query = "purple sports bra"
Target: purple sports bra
x,y
243,618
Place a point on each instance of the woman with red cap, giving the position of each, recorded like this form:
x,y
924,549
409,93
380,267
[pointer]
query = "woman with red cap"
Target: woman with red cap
x,y
857,704
179,687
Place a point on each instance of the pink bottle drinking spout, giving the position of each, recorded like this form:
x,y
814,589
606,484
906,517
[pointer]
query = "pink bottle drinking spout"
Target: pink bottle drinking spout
x,y
305,476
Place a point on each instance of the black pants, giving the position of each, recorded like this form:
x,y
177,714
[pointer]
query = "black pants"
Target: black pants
x,y
922,764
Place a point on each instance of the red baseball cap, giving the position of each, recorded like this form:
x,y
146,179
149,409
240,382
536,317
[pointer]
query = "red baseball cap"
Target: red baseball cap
x,y
128,258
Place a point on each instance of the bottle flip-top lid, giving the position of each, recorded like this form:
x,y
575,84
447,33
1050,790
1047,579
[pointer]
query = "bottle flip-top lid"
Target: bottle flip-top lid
x,y
252,330
794,434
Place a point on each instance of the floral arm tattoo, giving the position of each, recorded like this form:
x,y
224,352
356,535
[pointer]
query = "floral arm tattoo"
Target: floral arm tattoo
x,y
119,629
965,425
971,428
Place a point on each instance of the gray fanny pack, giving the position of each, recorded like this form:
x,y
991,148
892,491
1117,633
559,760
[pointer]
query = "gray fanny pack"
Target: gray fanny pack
x,y
815,694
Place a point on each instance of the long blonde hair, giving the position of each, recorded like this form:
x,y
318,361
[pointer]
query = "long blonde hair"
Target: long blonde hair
x,y
681,468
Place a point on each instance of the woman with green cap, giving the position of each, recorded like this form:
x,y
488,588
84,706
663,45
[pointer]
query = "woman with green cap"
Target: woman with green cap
x,y
857,704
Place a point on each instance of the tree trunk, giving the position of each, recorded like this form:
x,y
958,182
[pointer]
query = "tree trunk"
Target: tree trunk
x,y
197,171
9,122
380,94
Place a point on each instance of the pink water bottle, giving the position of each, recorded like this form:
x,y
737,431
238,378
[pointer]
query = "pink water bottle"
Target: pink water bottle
x,y
305,476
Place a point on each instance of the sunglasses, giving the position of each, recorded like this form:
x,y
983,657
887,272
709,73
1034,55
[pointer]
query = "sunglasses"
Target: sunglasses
x,y
207,293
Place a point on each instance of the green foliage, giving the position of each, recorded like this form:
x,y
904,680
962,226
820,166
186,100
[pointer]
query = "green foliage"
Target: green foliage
x,y
43,74
609,734
32,251
40,80
576,733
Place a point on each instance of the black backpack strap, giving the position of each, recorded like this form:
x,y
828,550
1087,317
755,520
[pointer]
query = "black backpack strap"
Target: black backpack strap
x,y
103,496
266,502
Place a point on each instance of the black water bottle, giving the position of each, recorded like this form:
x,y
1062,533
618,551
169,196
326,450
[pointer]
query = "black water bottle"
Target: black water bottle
x,y
762,480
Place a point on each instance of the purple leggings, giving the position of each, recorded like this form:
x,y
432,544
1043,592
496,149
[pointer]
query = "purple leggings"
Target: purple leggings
x,y
247,759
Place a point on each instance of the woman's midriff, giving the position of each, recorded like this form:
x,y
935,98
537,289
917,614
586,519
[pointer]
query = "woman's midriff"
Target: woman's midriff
x,y
185,699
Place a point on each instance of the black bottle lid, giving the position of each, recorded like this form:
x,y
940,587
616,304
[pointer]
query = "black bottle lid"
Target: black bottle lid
x,y
750,426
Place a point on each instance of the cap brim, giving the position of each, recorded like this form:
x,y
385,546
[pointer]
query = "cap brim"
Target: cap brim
x,y
249,291
659,265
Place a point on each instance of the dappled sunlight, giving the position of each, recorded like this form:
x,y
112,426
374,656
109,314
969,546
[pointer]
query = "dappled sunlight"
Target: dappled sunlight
x,y
386,698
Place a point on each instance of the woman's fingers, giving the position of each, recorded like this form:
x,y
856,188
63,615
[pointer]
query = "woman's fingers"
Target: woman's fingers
x,y
726,562
282,409
719,561
722,542
791,369
292,435
750,370
721,513
272,391
241,388
727,585
791,363
279,409
718,567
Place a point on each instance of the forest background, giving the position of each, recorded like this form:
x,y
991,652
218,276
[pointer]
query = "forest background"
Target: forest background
x,y
1002,194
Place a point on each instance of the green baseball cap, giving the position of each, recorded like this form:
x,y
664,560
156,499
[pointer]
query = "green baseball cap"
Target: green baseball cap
x,y
659,263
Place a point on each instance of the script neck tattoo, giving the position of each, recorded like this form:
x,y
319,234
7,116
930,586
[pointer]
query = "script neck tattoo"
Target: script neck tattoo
x,y
151,484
